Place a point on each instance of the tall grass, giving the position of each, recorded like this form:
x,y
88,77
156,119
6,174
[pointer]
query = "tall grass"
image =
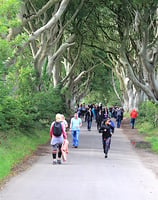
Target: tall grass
x,y
15,147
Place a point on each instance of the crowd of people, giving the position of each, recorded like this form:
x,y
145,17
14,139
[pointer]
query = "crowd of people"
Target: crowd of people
x,y
99,113
102,116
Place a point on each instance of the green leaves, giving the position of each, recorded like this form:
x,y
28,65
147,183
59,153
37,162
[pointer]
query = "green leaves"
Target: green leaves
x,y
8,14
148,112
101,87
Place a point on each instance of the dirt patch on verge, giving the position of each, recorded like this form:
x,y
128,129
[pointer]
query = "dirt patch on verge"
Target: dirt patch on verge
x,y
142,147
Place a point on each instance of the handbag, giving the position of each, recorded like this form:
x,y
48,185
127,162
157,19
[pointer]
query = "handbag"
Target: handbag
x,y
64,149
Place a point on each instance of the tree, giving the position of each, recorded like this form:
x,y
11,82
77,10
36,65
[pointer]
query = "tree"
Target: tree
x,y
63,35
138,46
130,35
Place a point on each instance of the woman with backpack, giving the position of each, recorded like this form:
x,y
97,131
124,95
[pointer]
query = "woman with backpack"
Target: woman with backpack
x,y
57,134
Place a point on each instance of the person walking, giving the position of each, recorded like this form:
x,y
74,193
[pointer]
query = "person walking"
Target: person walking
x,y
94,112
57,134
75,125
119,116
112,125
106,136
105,112
133,116
63,120
89,117
99,119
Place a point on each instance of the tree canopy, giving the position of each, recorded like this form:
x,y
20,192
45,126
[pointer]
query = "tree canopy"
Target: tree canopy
x,y
105,48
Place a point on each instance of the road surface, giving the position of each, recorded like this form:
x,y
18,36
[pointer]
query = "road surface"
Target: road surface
x,y
86,174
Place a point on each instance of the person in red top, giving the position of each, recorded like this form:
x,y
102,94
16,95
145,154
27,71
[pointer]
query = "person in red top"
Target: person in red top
x,y
133,116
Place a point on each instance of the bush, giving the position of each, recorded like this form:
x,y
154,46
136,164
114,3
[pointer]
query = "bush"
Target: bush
x,y
23,106
11,113
47,104
148,112
25,112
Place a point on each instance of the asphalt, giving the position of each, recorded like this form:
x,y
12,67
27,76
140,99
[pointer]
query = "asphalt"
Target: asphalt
x,y
87,174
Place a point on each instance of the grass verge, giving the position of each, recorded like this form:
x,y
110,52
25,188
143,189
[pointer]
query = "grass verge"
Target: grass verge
x,y
15,147
151,134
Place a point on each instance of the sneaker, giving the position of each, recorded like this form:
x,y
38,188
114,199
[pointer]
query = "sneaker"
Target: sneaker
x,y
54,162
59,162
106,155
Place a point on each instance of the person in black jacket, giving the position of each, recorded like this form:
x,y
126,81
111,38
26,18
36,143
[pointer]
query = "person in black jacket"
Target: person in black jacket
x,y
88,118
106,135
99,119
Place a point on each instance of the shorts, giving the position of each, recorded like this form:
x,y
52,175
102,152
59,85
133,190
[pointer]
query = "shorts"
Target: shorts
x,y
56,146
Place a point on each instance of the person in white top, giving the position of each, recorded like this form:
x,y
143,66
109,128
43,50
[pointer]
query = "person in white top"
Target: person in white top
x,y
64,121
75,125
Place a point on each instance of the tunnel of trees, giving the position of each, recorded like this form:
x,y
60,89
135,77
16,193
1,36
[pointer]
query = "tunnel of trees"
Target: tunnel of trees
x,y
54,53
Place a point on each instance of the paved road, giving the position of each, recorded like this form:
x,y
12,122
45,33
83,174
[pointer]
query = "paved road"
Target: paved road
x,y
87,174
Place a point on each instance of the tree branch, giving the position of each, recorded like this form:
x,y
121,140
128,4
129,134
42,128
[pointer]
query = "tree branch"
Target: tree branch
x,y
78,78
37,33
72,66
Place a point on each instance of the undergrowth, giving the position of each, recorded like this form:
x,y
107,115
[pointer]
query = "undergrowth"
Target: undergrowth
x,y
16,146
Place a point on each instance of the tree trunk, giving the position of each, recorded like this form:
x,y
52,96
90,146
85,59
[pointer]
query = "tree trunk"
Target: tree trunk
x,y
56,72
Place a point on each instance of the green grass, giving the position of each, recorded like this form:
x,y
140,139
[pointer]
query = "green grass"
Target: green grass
x,y
150,132
154,143
16,147
126,115
144,128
